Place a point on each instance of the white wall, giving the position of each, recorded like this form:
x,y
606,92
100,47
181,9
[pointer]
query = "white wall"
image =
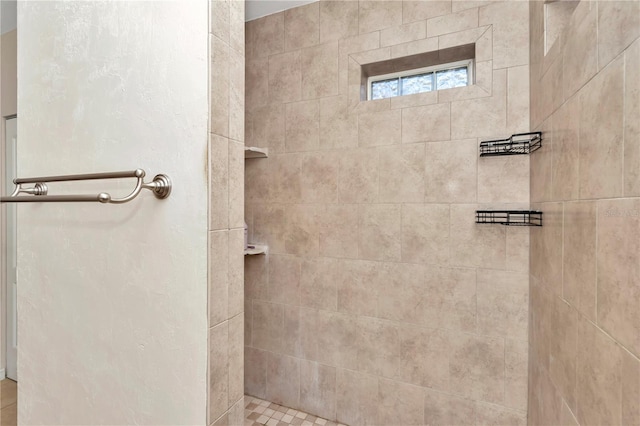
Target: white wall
x,y
113,298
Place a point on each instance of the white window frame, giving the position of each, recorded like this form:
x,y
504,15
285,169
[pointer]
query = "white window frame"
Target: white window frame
x,y
418,71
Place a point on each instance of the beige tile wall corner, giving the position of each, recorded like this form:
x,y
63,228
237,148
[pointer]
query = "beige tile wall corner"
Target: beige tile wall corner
x,y
381,301
585,278
226,213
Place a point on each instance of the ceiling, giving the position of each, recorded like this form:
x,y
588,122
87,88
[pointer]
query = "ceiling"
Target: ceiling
x,y
255,9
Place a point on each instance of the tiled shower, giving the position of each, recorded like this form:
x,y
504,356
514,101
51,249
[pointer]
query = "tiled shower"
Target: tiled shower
x,y
379,299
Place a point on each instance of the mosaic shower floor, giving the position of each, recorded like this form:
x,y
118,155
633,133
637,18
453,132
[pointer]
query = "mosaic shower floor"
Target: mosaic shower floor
x,y
258,412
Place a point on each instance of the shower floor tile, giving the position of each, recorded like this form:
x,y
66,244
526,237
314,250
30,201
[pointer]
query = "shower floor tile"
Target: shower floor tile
x,y
258,412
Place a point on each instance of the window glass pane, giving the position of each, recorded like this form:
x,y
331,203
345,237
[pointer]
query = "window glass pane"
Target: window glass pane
x,y
448,79
384,89
417,84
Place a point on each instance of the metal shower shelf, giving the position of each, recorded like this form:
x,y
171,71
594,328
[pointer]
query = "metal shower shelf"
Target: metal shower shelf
x,y
510,217
160,186
520,143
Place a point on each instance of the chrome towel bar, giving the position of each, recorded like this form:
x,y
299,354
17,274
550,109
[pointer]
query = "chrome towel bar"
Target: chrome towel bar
x,y
160,186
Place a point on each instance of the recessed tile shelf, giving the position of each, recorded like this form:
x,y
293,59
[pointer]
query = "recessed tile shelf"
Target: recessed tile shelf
x,y
254,249
510,217
518,144
254,152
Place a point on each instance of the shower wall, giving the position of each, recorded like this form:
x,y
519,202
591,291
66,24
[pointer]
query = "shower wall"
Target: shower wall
x,y
585,260
226,211
380,300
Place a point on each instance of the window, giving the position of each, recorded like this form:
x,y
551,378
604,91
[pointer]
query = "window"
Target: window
x,y
445,76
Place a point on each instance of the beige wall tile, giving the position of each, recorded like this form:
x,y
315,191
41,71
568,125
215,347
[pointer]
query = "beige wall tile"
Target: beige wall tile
x,y
285,78
219,113
236,185
518,99
503,299
510,22
336,334
218,384
318,288
618,270
319,179
474,245
357,396
270,227
267,35
518,245
618,26
284,280
402,173
236,95
256,274
399,403
484,117
426,123
453,22
255,378
451,171
565,168
319,65
268,320
302,124
318,389
630,391
424,357
516,374
477,367
444,409
339,231
403,33
601,133
218,182
284,177
338,19
219,19
424,9
425,233
236,358
257,82
631,123
378,346
268,131
567,417
579,257
545,402
379,230
218,277
236,272
414,47
580,58
598,370
546,247
283,380
357,286
300,332
488,414
375,15
237,26
379,128
338,128
562,337
302,233
358,176
511,169
418,99
450,298
541,165
461,38
401,293
302,26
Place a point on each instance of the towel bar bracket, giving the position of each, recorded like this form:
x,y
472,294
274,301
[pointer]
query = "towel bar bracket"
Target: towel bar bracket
x,y
160,186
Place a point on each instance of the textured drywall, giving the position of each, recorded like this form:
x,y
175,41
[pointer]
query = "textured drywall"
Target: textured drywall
x,y
113,298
